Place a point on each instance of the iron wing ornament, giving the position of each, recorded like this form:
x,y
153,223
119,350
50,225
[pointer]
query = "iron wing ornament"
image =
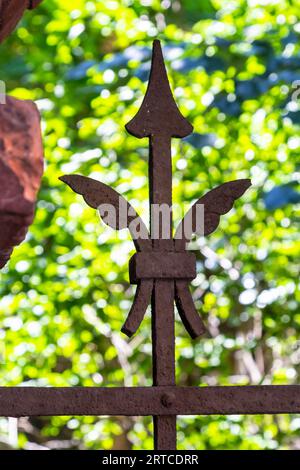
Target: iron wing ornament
x,y
161,267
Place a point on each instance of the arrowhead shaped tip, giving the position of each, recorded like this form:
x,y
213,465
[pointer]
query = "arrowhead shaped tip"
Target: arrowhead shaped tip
x,y
159,113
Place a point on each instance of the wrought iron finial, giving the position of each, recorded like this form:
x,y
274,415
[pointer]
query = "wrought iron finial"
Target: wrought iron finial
x,y
159,119
162,268
159,114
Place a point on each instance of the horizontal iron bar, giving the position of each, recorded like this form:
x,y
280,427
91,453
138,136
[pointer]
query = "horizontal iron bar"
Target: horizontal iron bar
x,y
147,401
162,265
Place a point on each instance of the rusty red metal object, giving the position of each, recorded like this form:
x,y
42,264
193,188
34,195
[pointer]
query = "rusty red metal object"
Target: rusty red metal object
x,y
149,401
159,119
162,267
21,168
11,11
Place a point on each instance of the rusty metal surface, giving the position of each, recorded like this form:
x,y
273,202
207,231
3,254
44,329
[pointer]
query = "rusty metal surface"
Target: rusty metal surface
x,y
160,120
21,169
216,202
162,270
11,11
187,310
149,401
96,194
162,267
163,357
138,309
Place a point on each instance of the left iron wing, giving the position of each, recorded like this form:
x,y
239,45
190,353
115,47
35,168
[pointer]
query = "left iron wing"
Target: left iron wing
x,y
99,196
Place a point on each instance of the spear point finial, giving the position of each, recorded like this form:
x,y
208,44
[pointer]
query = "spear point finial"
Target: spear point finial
x,y
159,113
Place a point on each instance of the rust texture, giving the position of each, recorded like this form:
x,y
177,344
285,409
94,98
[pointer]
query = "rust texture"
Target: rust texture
x,y
21,168
162,268
149,401
11,11
162,265
161,259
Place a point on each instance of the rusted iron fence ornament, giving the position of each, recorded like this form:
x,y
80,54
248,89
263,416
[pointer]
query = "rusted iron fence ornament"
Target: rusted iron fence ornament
x,y
162,270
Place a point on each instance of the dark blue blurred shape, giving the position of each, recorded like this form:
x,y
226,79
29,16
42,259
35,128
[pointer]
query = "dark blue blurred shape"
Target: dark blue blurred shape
x,y
230,108
251,89
291,37
294,116
186,64
280,196
79,71
121,59
143,71
210,64
261,47
200,140
292,62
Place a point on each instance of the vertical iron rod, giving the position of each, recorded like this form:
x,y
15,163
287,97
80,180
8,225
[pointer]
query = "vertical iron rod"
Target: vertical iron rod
x,y
163,334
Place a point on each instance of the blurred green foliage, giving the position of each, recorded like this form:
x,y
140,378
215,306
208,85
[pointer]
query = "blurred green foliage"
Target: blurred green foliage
x,y
65,292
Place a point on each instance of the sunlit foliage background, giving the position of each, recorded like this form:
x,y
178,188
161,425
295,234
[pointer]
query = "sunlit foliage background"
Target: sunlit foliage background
x,y
233,65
